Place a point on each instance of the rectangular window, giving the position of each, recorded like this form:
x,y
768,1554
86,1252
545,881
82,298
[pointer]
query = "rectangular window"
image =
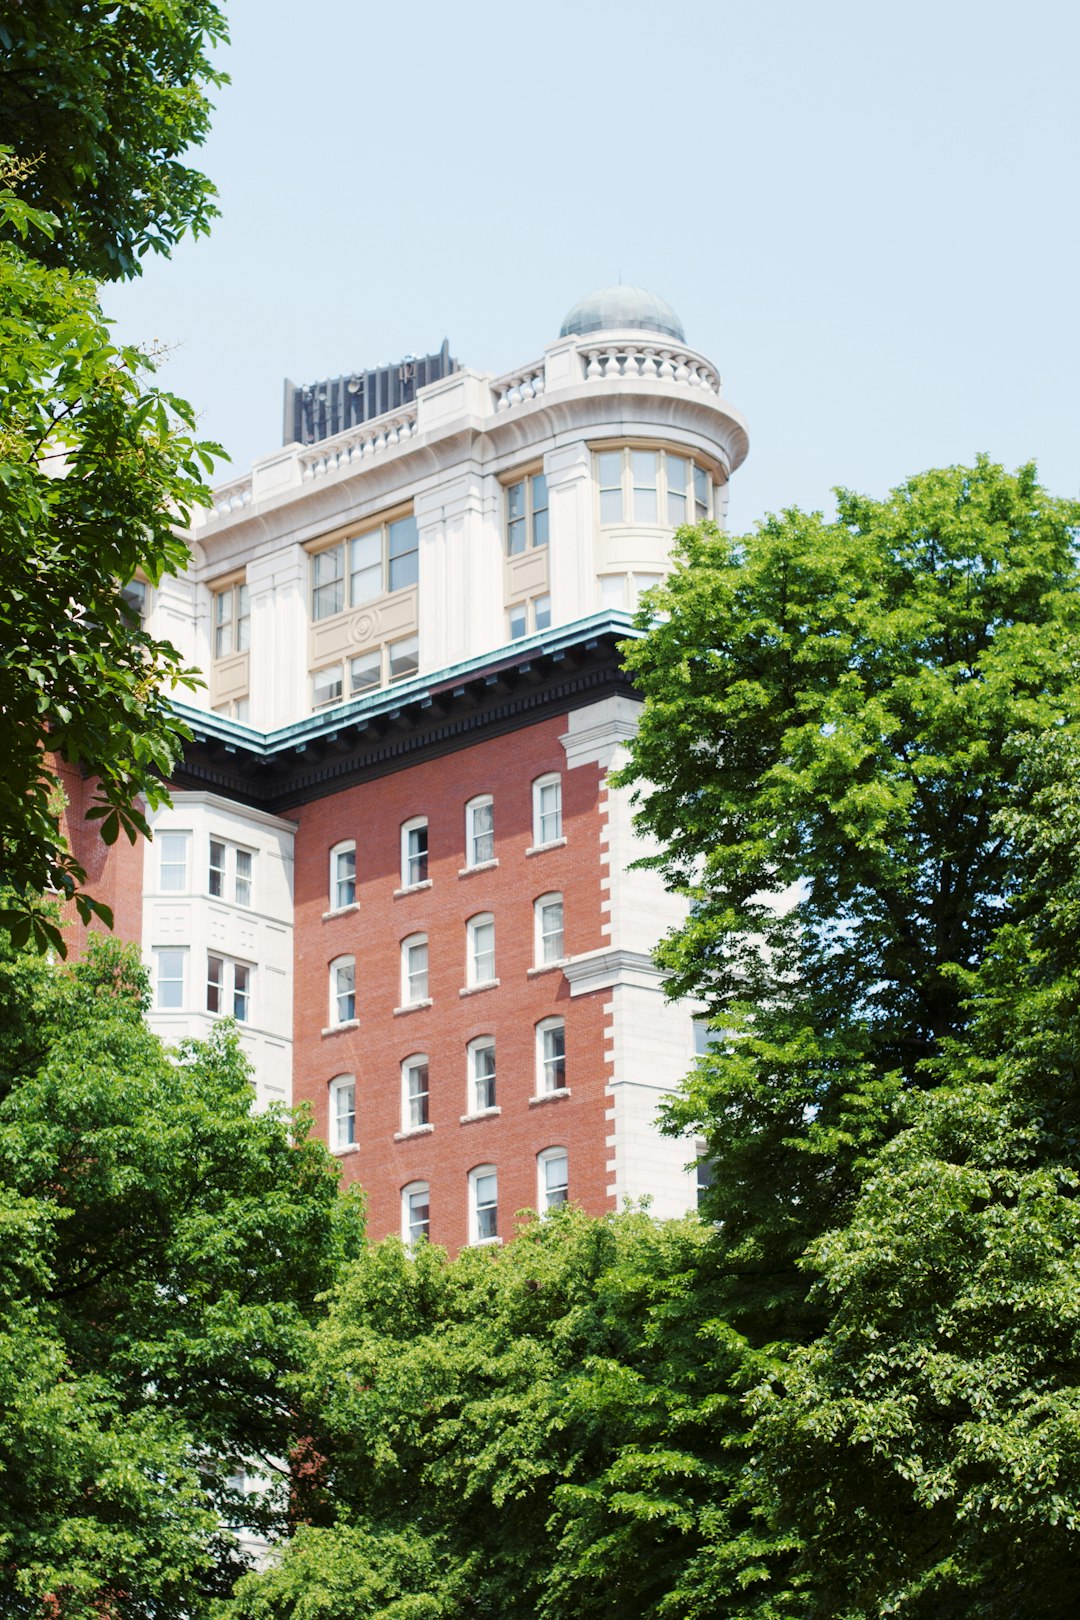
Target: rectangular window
x,y
232,621
172,854
365,567
609,466
417,1214
217,869
343,1095
343,877
701,494
541,612
526,514
170,980
404,658
482,956
241,1007
547,810
243,877
480,832
416,1094
483,1067
343,990
404,553
550,929
654,486
326,686
327,583
416,970
518,620
414,853
554,1178
643,470
228,987
675,467
215,983
230,872
365,673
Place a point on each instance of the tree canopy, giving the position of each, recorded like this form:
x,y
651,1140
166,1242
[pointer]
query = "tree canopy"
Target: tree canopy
x,y
163,1252
101,102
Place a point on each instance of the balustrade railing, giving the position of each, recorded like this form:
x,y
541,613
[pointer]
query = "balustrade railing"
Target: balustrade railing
x,y
345,449
231,497
651,362
518,386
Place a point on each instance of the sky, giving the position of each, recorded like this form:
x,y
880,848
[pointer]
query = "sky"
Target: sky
x,y
865,215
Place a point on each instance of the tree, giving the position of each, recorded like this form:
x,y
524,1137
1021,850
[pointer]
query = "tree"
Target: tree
x,y
101,102
927,1440
163,1251
537,1430
833,756
97,468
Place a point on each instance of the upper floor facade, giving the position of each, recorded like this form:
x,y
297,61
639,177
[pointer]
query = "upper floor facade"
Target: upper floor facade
x,y
485,511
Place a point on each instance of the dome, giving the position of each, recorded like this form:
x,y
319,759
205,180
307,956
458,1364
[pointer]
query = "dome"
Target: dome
x,y
616,309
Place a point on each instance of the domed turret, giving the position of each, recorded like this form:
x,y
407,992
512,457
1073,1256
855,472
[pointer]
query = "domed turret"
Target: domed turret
x,y
620,309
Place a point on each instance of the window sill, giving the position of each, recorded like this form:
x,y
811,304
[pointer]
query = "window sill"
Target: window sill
x,y
412,1006
343,1153
481,1113
481,866
341,911
335,1029
550,1096
416,1130
475,989
412,888
485,1243
547,967
540,849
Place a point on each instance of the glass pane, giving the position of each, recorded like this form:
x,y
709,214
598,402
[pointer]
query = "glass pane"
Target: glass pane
x,y
365,568
345,878
515,500
243,877
170,965
404,658
215,977
241,991
403,536
540,528
217,869
243,619
366,584
484,1069
539,494
328,595
404,570
327,685
365,672
609,469
542,608
644,505
416,862
643,468
611,506
676,474
173,861
701,493
482,834
515,536
328,599
518,619
223,637
613,590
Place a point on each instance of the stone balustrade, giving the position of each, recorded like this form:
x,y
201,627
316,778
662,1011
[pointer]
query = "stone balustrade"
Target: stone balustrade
x,y
231,497
651,362
518,386
345,449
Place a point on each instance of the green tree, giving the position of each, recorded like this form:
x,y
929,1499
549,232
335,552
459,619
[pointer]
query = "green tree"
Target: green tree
x,y
102,101
163,1252
927,1441
540,1430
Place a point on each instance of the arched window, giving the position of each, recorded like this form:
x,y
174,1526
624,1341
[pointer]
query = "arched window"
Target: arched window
x,y
343,1113
414,852
343,875
552,1178
342,991
415,1093
480,953
481,1056
548,929
479,831
483,1204
550,1056
415,1212
547,809
414,970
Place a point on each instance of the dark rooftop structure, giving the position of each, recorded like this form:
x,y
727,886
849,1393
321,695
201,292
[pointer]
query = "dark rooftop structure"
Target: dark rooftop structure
x,y
315,411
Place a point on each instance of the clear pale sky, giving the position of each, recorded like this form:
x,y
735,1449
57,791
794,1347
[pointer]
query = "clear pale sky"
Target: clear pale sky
x,y
866,215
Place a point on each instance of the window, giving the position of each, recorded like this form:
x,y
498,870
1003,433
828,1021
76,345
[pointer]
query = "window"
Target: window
x,y
652,487
228,987
415,1212
414,969
480,966
343,875
415,1093
135,596
481,1074
364,567
705,1172
483,1204
343,1112
547,809
235,709
403,658
550,1056
526,514
366,672
172,862
232,621
522,618
343,990
548,913
170,979
552,1178
326,686
414,852
479,831
229,874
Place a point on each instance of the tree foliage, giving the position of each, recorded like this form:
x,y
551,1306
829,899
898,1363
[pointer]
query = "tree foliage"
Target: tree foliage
x,y
101,102
163,1252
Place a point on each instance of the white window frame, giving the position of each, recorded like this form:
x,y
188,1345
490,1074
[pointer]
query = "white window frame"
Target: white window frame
x,y
395,573
550,1156
474,956
160,954
183,840
477,836
342,888
237,887
550,1079
414,864
339,996
233,986
529,616
414,976
481,1229
236,620
547,823
415,1098
409,1236
549,946
481,1045
342,1140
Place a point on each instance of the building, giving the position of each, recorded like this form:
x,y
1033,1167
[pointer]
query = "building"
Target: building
x,y
392,853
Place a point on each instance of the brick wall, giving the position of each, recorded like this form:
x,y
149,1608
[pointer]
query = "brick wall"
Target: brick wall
x,y
114,873
372,813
